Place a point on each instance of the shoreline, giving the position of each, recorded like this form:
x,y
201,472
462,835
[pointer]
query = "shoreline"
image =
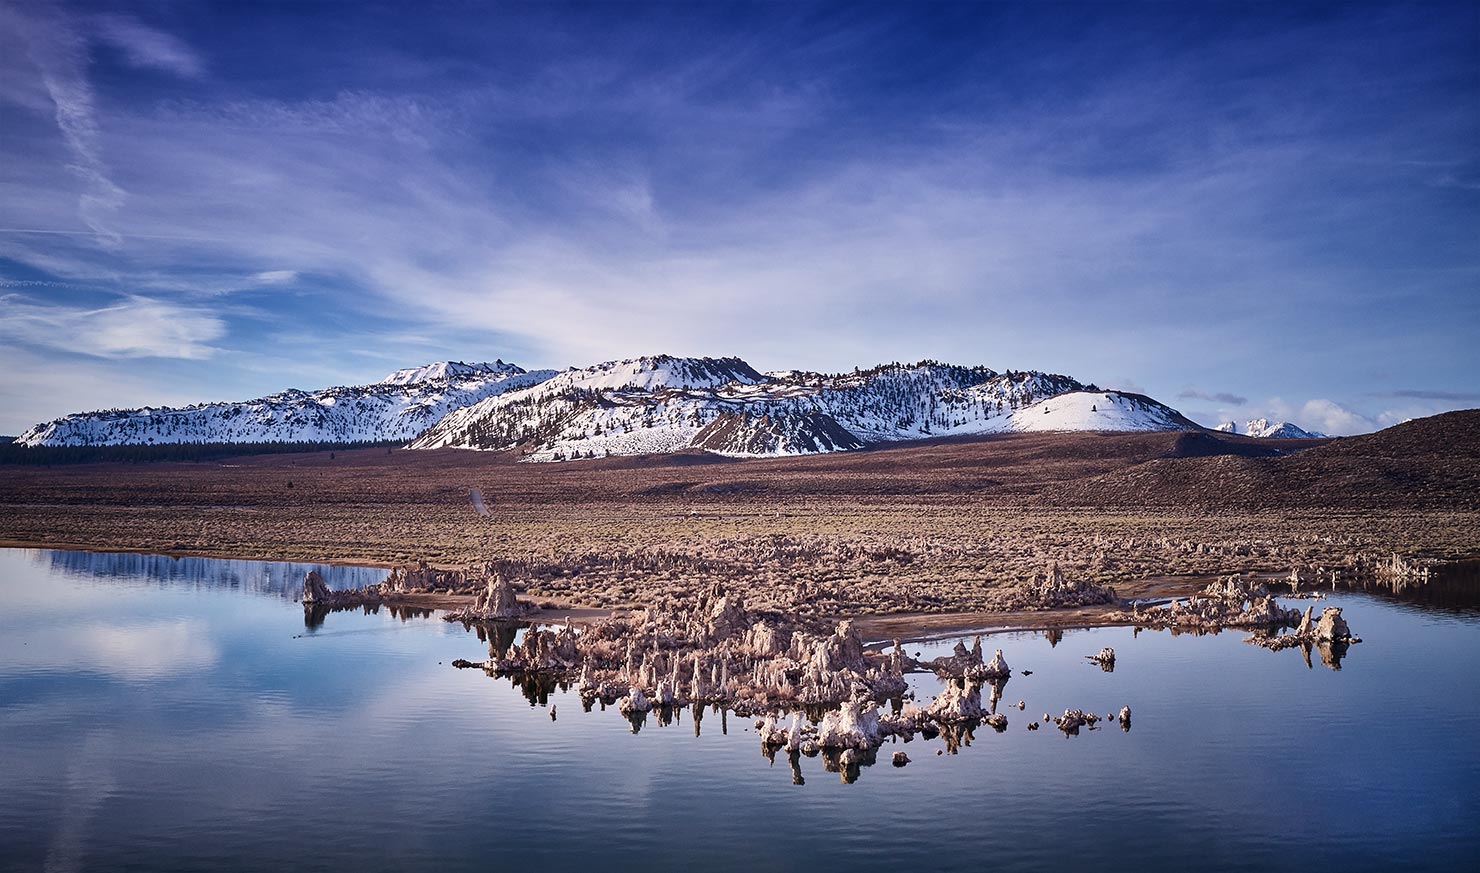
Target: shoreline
x,y
9,543
876,628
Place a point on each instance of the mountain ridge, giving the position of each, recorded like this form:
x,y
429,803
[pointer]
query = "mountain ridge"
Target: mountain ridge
x,y
664,404
377,412
645,405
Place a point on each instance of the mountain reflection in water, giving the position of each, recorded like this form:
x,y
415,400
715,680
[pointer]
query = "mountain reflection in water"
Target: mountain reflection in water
x,y
282,579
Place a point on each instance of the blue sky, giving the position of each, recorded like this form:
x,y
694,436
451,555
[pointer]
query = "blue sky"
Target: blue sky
x,y
1244,210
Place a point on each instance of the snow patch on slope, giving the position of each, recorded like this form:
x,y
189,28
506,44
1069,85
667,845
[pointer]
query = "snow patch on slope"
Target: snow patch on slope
x,y
1099,411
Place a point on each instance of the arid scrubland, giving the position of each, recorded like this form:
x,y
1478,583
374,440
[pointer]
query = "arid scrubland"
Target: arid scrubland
x,y
929,527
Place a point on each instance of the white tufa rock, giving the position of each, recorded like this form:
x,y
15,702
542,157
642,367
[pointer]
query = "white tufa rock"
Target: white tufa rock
x,y
997,667
634,702
959,701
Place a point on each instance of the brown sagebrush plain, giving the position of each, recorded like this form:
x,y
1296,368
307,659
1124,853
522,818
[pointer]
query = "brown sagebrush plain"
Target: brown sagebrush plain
x,y
920,527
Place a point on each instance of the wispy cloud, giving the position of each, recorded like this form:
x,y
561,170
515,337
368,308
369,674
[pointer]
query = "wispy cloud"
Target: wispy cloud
x,y
136,327
1216,397
59,46
775,192
276,277
1425,394
60,55
144,46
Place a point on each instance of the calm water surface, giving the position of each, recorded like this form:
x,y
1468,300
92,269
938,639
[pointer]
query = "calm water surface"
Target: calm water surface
x,y
162,714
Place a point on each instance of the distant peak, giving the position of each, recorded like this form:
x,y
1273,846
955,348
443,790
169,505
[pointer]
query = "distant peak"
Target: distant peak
x,y
653,371
1263,428
442,370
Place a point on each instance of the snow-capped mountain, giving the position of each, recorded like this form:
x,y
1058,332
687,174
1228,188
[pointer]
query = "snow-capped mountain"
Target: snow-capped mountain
x,y
723,405
398,407
643,405
445,370
1263,428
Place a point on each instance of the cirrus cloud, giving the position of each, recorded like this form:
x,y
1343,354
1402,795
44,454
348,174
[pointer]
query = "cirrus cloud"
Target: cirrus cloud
x,y
135,327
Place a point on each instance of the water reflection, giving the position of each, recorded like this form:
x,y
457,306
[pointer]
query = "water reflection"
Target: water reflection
x,y
1331,653
1454,586
282,579
499,635
226,724
314,614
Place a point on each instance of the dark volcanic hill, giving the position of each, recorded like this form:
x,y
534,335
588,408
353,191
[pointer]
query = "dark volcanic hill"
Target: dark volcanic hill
x,y
1430,462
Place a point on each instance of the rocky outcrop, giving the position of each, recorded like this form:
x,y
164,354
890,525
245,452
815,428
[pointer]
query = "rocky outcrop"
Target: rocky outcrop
x,y
319,599
841,651
965,663
635,701
1050,590
315,590
1230,602
1106,659
765,640
718,654
959,701
1332,627
1330,633
853,725
423,578
404,584
961,663
1235,587
997,667
1073,719
496,602
779,433
726,615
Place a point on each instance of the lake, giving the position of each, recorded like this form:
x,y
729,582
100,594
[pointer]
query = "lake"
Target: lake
x,y
180,714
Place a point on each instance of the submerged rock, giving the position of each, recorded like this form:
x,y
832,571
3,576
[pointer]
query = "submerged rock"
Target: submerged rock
x,y
1073,719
